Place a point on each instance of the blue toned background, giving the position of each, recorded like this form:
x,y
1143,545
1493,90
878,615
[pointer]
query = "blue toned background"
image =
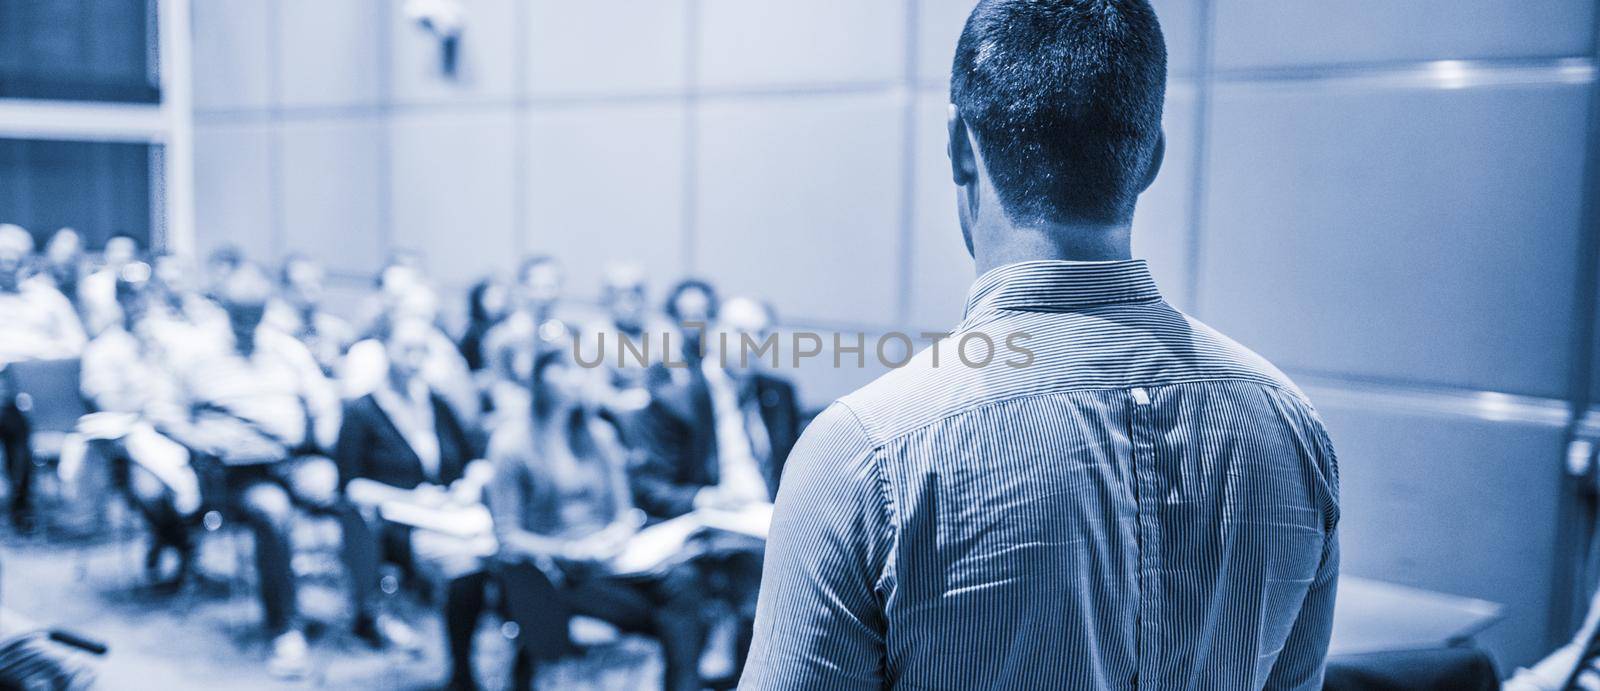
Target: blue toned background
x,y
1393,200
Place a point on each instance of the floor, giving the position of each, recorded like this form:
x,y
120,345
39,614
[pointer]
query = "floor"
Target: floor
x,y
208,634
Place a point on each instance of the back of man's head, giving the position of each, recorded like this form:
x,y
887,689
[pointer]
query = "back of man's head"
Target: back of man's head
x,y
1064,99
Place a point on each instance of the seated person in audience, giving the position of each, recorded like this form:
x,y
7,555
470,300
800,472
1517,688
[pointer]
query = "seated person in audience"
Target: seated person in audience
x,y
488,304
62,263
36,323
393,281
125,375
402,436
720,442
692,307
508,348
220,266
445,371
629,341
97,292
562,512
263,399
180,315
298,312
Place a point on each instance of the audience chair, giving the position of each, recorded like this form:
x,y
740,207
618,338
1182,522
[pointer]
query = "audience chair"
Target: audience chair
x,y
1463,668
47,394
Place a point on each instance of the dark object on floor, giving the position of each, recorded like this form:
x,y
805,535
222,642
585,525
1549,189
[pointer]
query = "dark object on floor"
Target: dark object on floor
x,y
53,659
1437,669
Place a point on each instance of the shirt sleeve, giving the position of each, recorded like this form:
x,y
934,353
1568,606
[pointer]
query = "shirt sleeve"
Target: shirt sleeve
x,y
819,622
320,395
1302,662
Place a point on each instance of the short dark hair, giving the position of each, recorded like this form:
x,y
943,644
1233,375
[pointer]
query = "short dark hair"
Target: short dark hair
x,y
670,306
1064,100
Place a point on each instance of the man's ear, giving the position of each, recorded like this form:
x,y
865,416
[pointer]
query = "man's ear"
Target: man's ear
x,y
963,165
1157,155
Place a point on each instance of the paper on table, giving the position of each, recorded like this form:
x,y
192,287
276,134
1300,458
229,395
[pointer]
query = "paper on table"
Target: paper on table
x,y
656,546
754,520
653,547
461,521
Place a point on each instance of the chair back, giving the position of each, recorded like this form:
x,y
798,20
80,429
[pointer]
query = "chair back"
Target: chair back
x,y
47,393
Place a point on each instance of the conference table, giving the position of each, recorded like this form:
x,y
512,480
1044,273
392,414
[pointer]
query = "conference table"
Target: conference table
x,y
1376,616
1390,636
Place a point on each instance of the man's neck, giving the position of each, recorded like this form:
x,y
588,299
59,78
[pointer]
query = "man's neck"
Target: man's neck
x,y
999,246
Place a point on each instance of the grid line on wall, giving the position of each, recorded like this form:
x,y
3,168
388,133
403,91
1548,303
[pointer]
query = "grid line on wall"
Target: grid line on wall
x,y
690,184
385,127
1204,61
274,135
522,238
905,264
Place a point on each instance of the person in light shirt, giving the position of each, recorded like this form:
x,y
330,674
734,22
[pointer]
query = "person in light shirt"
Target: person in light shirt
x,y
509,347
39,324
61,263
298,311
262,398
97,292
124,375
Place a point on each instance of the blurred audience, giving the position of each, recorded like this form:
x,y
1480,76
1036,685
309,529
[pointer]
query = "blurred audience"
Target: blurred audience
x,y
62,263
262,407
692,305
97,292
562,510
39,324
488,304
403,436
298,311
719,441
125,375
509,346
221,390
629,340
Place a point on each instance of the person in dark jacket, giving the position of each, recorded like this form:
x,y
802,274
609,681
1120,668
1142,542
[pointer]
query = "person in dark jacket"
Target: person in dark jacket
x,y
718,439
405,436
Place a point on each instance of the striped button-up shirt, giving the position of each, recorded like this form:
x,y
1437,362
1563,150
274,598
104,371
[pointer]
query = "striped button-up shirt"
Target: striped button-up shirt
x,y
1120,498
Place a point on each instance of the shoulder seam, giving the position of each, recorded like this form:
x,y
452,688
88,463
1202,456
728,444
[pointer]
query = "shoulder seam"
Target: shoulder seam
x,y
891,438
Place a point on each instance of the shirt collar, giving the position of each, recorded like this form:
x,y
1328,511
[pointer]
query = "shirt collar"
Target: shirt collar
x,y
1051,285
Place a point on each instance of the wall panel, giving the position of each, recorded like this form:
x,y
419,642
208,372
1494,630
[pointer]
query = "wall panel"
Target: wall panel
x,y
790,44
606,184
453,192
798,200
1386,233
328,53
645,48
1454,504
233,185
233,63
1284,33
331,192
